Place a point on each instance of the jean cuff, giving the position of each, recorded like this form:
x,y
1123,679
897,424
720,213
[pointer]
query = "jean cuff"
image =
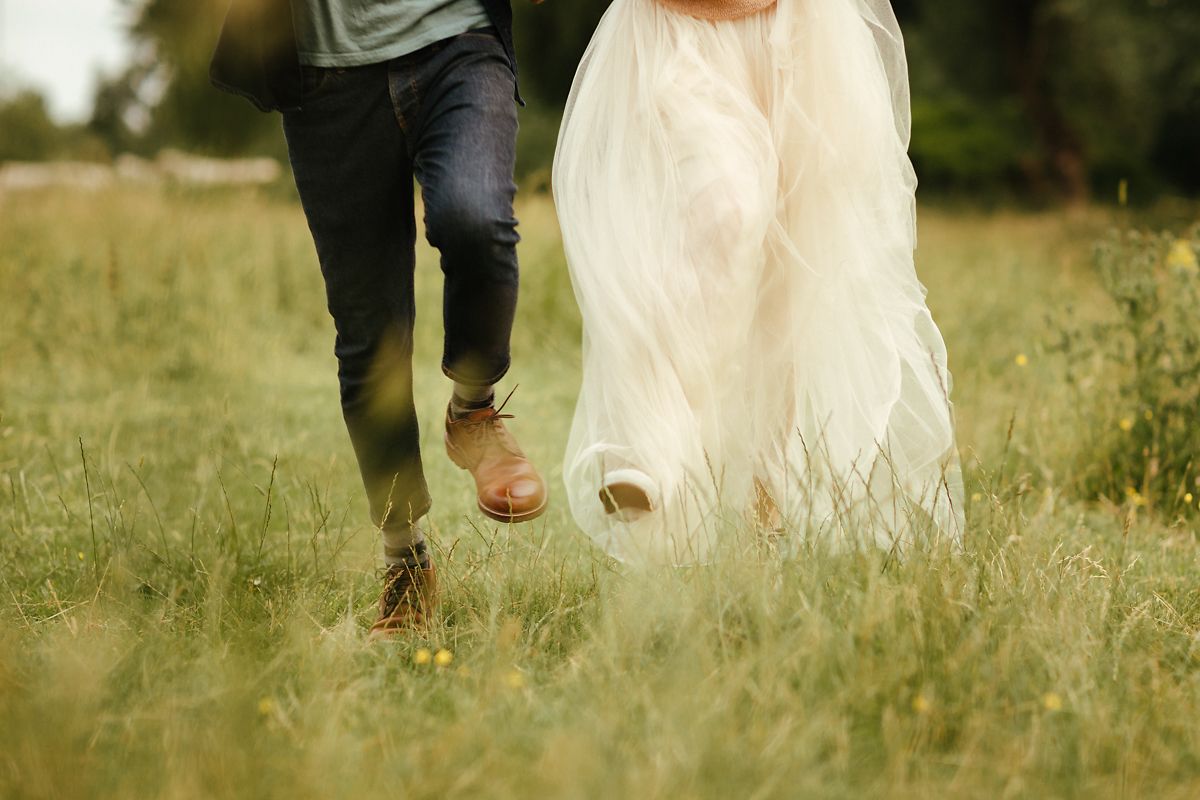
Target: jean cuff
x,y
473,381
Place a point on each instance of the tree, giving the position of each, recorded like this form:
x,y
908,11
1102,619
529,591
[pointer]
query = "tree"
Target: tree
x,y
1091,84
550,40
120,116
170,75
26,131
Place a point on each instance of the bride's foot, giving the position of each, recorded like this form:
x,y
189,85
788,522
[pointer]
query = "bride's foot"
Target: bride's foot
x,y
628,494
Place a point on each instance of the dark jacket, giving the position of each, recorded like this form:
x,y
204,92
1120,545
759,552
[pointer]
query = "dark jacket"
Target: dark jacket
x,y
256,56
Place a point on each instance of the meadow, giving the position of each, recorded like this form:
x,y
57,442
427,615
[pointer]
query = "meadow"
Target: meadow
x,y
187,570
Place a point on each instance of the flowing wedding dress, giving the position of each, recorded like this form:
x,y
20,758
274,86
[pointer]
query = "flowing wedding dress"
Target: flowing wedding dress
x,y
737,208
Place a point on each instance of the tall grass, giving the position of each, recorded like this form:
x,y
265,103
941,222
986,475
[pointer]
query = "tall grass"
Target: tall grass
x,y
186,569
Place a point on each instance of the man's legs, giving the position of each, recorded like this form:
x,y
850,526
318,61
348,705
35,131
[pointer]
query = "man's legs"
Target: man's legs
x,y
464,151
355,182
462,122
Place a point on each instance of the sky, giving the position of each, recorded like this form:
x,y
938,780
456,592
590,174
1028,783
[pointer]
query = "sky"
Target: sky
x,y
58,46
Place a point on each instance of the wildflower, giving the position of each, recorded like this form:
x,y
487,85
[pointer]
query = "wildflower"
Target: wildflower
x,y
1126,424
81,555
1021,360
1135,496
443,658
1052,702
266,706
1187,498
1182,256
975,498
422,656
921,704
514,679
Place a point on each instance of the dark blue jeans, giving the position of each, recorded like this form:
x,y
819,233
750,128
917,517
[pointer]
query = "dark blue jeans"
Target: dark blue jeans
x,y
444,115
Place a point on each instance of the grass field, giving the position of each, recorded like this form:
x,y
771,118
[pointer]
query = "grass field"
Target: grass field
x,y
186,568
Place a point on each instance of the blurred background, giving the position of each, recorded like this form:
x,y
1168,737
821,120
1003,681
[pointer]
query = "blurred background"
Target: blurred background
x,y
1035,102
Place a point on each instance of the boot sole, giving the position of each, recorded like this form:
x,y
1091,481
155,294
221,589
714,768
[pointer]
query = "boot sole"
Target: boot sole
x,y
501,516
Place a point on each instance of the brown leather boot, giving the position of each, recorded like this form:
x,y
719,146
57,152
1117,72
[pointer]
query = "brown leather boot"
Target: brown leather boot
x,y
408,601
508,487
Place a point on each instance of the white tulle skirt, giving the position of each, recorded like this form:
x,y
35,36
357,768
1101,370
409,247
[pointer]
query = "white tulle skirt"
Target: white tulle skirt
x,y
736,203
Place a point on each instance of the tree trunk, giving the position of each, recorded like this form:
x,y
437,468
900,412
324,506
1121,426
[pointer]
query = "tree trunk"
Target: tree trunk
x,y
1028,29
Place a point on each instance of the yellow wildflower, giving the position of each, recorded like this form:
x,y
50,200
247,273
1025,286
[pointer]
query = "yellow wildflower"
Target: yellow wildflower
x,y
422,656
443,658
1021,360
1135,496
1183,256
514,679
921,704
1187,498
975,498
1126,424
266,706
81,555
1052,702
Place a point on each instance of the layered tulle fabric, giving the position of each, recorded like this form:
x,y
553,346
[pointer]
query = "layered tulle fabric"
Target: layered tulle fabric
x,y
736,202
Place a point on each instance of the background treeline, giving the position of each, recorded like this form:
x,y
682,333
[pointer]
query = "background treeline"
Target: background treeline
x,y
1032,99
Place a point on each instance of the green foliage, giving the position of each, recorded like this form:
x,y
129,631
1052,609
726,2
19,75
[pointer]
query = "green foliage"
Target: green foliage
x,y
26,130
1150,353
115,104
550,39
964,145
535,145
27,133
178,39
1104,90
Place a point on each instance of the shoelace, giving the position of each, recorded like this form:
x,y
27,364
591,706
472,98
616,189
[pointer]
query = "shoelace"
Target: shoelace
x,y
479,428
400,583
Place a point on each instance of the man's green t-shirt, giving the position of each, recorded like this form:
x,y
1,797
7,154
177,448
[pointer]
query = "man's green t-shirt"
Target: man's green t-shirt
x,y
350,33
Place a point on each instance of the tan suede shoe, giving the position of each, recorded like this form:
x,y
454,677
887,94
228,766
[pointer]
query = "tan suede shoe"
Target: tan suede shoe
x,y
408,601
507,486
